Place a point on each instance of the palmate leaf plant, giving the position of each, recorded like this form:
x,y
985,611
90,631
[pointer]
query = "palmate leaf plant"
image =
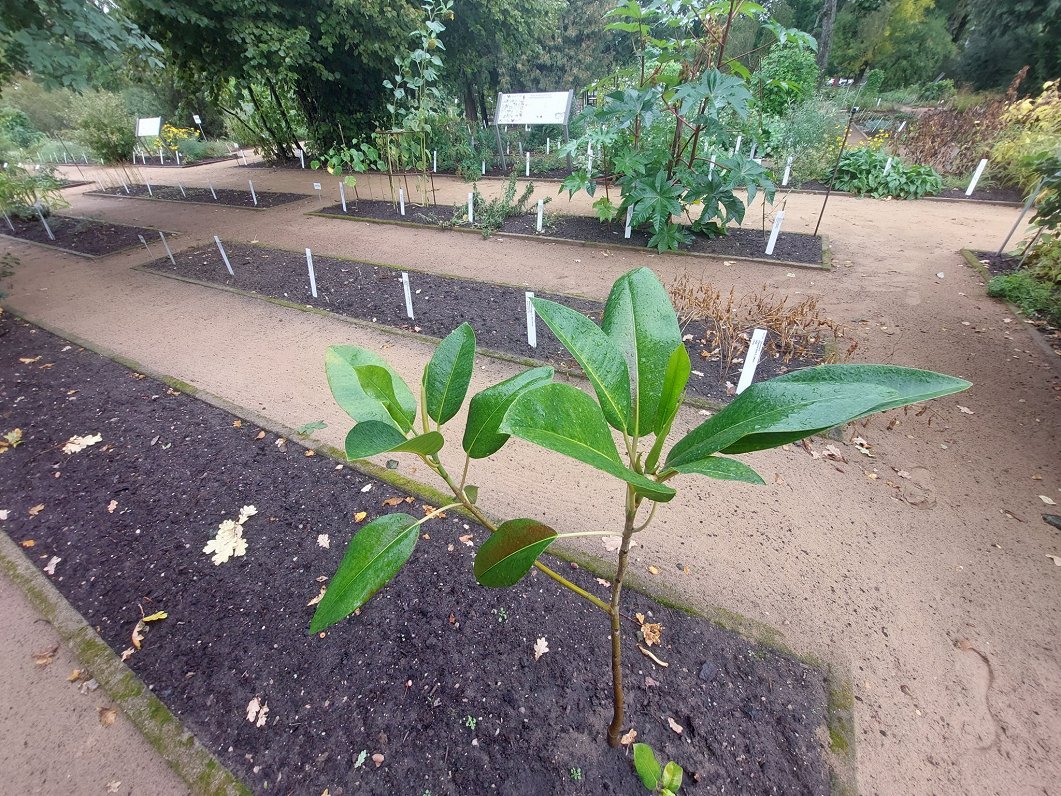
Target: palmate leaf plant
x,y
638,367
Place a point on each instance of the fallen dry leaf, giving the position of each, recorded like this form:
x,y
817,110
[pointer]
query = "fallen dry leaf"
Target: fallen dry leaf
x,y
50,566
629,737
965,410
318,598
27,543
114,785
35,510
360,516
1055,559
466,539
378,759
1048,501
112,506
128,653
261,435
107,716
257,711
323,541
604,583
156,617
307,454
393,501
675,725
43,657
428,509
28,360
138,633
541,646
237,424
652,657
77,444
652,632
654,570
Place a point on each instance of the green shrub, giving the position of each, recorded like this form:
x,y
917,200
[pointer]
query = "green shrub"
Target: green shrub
x,y
810,132
1034,298
937,90
193,149
861,171
22,191
16,127
106,127
786,76
874,80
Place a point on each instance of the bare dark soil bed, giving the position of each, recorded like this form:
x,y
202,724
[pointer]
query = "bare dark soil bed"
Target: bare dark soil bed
x,y
440,304
740,242
1005,195
171,162
998,264
437,674
82,235
229,197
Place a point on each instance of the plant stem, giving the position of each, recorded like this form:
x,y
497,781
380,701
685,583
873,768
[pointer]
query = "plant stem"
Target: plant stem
x,y
616,726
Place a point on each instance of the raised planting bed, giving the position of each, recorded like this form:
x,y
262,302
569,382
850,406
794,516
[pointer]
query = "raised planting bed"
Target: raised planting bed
x,y
228,197
171,162
1007,196
436,675
374,293
84,236
792,248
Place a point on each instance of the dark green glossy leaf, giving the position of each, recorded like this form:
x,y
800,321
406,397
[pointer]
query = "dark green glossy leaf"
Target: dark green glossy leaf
x,y
504,558
374,555
721,468
566,420
376,382
647,766
487,408
807,402
597,354
340,362
646,331
449,373
371,437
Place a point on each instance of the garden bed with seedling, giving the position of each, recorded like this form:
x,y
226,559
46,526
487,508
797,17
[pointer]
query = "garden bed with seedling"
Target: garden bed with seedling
x,y
792,248
716,326
229,197
171,162
438,686
84,236
1008,196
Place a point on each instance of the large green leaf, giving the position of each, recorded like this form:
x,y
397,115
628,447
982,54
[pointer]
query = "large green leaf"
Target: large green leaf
x,y
566,420
639,317
448,374
377,383
371,437
372,558
600,359
807,402
677,376
646,765
340,363
721,468
510,551
487,409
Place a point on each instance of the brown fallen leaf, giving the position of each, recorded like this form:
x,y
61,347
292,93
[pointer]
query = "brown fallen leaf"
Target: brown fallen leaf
x,y
378,759
466,539
112,506
237,424
652,657
652,632
394,501
654,570
629,737
360,516
107,716
44,657
309,453
74,676
35,510
28,360
428,509
128,653
27,543
318,598
261,435
675,725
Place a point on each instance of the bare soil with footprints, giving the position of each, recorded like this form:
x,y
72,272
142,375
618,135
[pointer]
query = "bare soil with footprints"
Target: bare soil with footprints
x,y
917,562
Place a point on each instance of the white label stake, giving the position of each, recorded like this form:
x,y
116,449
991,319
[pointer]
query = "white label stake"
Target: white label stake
x,y
408,295
213,193
125,185
736,146
541,210
775,231
401,200
548,143
629,221
165,245
254,196
161,160
312,276
147,182
471,208
178,154
179,185
976,177
342,196
888,166
528,164
317,188
788,170
434,160
224,256
532,330
7,218
751,360
484,168
302,158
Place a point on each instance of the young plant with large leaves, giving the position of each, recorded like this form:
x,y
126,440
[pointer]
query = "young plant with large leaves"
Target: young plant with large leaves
x,y
638,367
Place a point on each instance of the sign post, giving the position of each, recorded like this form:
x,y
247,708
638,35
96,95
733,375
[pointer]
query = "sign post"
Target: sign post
x,y
199,124
147,128
541,107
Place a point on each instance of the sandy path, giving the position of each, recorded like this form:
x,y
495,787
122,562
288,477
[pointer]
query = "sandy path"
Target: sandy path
x,y
943,607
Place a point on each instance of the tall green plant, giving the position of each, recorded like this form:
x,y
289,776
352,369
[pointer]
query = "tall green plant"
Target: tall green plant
x,y
638,368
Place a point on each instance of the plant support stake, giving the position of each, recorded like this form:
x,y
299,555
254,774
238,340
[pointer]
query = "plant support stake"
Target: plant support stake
x,y
840,154
224,256
775,231
788,170
165,245
976,177
408,295
312,276
541,210
254,196
532,330
342,195
751,360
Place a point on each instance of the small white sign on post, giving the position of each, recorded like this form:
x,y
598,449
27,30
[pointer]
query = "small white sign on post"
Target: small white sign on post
x,y
165,245
312,275
528,164
401,201
775,231
342,195
408,295
317,188
532,329
888,166
146,128
254,196
542,107
788,170
751,360
629,222
224,256
976,177
471,207
541,211
196,119
213,193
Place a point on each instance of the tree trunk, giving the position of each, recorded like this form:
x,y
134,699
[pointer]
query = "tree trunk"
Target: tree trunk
x,y
469,102
827,18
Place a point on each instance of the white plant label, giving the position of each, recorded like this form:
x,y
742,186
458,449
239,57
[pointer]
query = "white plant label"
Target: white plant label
x,y
312,275
408,295
736,146
342,195
401,200
224,256
181,186
976,177
788,171
147,182
213,193
161,157
317,187
532,330
629,221
178,154
751,361
434,160
47,229
471,208
888,165
541,210
548,143
254,196
775,231
528,164
484,168
165,245
302,158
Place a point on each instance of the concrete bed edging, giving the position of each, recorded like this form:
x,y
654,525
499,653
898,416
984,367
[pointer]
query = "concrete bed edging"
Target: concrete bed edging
x,y
838,748
191,201
85,255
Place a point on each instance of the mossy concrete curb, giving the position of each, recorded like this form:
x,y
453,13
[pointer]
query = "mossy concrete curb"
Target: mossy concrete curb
x,y
824,265
202,772
840,744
